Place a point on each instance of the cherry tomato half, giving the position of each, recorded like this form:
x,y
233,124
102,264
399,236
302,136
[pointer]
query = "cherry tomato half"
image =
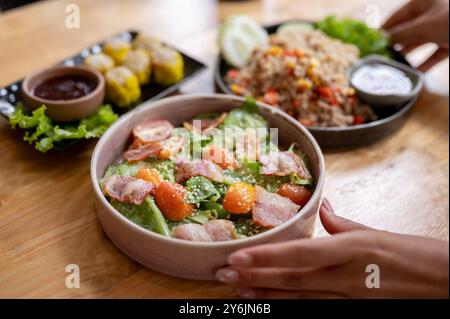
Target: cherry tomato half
x,y
239,198
296,193
170,199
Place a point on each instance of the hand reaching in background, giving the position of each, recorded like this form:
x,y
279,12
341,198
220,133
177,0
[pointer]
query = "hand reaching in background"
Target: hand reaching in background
x,y
420,22
335,267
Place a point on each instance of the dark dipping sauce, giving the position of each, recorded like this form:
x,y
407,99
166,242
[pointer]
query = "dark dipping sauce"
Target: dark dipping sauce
x,y
67,87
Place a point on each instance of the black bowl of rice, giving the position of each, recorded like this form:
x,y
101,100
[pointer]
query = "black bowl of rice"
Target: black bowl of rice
x,y
306,74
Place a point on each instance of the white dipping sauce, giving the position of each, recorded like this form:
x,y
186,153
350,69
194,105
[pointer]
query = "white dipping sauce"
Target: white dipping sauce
x,y
381,79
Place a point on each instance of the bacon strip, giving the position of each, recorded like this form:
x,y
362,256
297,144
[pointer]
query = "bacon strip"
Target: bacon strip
x,y
206,125
220,230
198,167
248,147
193,232
220,156
209,125
283,164
173,145
127,189
214,230
153,131
271,209
143,151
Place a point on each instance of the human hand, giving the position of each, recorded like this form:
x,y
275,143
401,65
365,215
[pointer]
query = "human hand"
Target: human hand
x,y
420,22
335,267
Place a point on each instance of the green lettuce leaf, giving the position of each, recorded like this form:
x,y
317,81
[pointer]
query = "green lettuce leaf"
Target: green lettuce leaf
x,y
368,40
200,217
215,209
245,116
165,168
249,105
41,130
146,215
199,189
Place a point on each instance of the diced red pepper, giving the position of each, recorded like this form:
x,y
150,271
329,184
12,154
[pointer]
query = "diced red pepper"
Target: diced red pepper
x,y
351,100
271,97
299,53
358,119
325,91
290,53
295,103
333,100
328,94
233,74
307,122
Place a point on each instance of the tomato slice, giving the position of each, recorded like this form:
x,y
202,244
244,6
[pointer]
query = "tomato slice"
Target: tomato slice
x,y
170,199
296,193
149,174
239,198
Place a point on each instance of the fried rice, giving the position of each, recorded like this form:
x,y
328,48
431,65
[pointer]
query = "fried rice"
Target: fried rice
x,y
305,74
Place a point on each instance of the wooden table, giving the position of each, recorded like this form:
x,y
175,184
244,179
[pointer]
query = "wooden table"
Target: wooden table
x,y
47,215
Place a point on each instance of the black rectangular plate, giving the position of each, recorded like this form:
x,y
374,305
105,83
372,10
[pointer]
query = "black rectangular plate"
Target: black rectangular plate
x,y
10,95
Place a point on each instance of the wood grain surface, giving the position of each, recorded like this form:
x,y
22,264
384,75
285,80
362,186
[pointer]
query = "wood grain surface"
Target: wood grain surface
x,y
47,214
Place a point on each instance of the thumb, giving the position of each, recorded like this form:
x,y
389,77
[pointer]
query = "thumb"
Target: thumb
x,y
334,224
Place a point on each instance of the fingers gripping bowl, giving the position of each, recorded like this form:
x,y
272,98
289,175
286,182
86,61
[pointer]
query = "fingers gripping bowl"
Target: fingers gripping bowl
x,y
192,259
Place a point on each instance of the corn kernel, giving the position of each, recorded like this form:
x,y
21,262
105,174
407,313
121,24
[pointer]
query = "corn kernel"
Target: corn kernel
x,y
304,84
351,91
275,50
314,62
235,88
316,81
290,64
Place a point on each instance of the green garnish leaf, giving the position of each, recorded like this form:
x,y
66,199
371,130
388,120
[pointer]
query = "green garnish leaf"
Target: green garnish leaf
x,y
249,105
215,208
200,217
246,116
295,179
246,228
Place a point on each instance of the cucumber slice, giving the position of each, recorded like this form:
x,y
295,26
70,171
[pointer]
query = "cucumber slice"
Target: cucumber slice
x,y
238,37
294,27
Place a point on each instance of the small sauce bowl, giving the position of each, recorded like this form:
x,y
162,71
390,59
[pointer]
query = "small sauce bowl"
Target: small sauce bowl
x,y
391,99
68,109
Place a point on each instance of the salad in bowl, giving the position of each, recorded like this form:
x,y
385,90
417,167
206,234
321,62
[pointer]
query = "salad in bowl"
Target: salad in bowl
x,y
220,176
183,182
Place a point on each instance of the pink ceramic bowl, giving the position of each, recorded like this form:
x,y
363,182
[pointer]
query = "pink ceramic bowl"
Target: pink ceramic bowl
x,y
195,260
